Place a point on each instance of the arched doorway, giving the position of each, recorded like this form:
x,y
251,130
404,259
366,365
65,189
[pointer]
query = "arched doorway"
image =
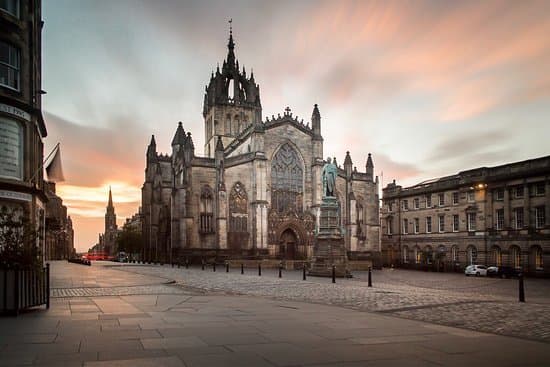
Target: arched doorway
x,y
288,244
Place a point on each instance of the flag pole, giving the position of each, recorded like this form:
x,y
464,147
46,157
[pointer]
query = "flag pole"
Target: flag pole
x,y
45,160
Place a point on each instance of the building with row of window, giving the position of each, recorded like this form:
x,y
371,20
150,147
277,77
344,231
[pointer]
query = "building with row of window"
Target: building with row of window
x,y
257,190
22,125
493,216
59,228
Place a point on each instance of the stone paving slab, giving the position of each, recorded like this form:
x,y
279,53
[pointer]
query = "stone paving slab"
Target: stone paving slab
x,y
222,329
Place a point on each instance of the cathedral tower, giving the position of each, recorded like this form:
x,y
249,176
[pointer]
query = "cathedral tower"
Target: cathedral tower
x,y
111,231
231,102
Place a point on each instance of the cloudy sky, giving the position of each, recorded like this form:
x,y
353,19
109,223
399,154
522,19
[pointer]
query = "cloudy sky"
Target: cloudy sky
x,y
428,87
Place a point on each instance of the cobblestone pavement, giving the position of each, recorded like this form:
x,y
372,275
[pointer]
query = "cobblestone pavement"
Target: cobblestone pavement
x,y
75,280
480,304
117,291
101,274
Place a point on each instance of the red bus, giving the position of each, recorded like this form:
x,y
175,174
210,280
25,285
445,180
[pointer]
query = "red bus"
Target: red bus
x,y
98,256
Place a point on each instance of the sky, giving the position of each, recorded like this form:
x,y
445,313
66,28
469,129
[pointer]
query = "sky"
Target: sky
x,y
430,88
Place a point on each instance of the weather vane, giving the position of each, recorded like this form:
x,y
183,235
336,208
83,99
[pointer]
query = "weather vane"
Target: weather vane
x,y
231,25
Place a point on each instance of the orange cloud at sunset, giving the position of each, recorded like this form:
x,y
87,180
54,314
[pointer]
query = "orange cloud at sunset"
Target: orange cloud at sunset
x,y
428,87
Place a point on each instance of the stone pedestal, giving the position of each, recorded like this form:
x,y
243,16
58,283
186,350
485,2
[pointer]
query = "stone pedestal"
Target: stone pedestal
x,y
329,248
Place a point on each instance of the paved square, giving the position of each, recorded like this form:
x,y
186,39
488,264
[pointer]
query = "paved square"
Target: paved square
x,y
219,319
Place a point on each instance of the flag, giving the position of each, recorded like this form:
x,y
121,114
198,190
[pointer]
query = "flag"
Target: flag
x,y
54,169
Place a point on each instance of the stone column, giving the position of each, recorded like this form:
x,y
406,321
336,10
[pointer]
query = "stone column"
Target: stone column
x,y
352,223
221,220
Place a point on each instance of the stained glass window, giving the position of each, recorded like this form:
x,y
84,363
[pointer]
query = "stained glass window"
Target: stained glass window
x,y
206,222
287,175
238,209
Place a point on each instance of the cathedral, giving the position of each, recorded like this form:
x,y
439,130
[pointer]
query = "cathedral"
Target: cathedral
x,y
256,190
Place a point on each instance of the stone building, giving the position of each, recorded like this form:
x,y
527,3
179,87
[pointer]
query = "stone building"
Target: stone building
x,y
22,125
256,190
59,228
488,215
134,222
107,240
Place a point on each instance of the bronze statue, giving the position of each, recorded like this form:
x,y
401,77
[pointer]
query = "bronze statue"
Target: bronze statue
x,y
329,179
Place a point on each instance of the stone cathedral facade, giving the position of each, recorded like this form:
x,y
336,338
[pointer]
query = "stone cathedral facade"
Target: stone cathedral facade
x,y
256,190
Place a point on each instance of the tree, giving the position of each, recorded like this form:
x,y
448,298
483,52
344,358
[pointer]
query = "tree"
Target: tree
x,y
130,241
18,247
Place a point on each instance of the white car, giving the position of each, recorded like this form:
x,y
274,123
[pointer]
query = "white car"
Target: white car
x,y
477,270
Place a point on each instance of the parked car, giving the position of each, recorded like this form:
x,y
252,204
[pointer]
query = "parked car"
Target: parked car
x,y
503,271
122,257
477,270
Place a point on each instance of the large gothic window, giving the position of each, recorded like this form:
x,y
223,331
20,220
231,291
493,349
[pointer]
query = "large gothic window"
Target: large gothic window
x,y
206,216
287,185
238,209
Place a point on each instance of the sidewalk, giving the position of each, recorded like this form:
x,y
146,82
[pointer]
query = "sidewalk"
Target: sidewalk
x,y
196,329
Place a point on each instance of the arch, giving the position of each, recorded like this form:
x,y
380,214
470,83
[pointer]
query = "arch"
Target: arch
x,y
227,126
287,179
237,128
405,254
454,253
471,252
496,256
536,257
428,254
360,216
515,256
237,235
206,210
417,255
293,146
288,244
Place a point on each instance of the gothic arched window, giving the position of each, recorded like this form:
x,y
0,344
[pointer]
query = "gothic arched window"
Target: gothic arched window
x,y
206,216
287,175
238,209
227,126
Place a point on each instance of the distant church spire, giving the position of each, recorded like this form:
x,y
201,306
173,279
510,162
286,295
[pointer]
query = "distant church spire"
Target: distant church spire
x,y
110,204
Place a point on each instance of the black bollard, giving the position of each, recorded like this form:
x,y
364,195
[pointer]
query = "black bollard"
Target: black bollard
x,y
370,277
333,274
186,264
242,268
214,266
259,269
521,288
172,264
280,271
304,272
227,267
202,264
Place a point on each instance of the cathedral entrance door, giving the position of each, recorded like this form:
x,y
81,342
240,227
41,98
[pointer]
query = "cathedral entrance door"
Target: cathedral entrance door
x,y
288,244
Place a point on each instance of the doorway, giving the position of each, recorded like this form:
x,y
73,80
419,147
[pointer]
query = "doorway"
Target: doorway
x,y
288,243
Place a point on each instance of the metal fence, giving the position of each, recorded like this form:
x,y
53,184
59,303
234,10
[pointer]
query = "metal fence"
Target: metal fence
x,y
24,288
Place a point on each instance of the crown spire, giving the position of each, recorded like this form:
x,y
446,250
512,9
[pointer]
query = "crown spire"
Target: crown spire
x,y
231,45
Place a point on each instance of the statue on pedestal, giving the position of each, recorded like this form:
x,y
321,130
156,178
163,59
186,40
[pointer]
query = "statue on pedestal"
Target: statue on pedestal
x,y
329,179
329,251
